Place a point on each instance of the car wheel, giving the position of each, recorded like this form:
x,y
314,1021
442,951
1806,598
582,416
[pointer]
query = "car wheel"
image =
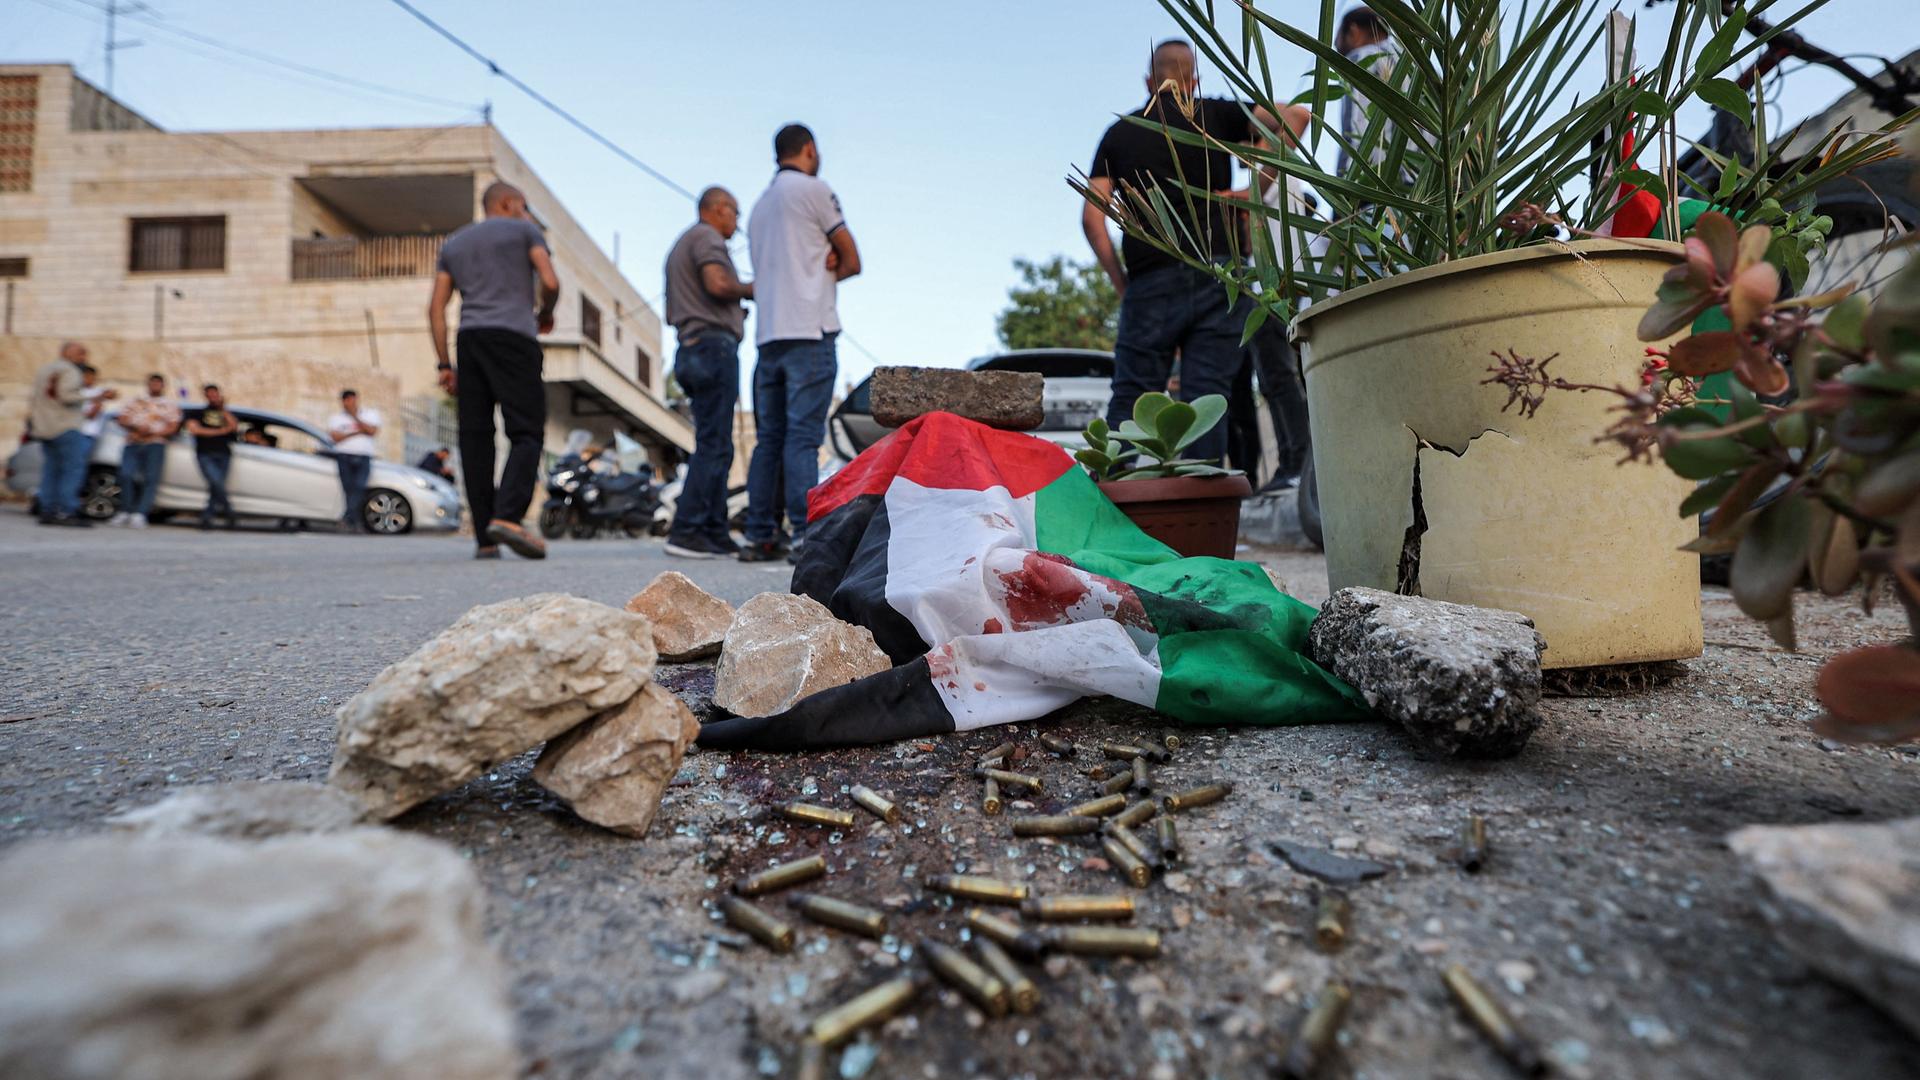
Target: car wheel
x,y
553,522
100,497
1308,501
386,512
584,530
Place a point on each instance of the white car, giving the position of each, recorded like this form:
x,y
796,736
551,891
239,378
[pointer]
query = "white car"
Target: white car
x,y
1078,384
294,479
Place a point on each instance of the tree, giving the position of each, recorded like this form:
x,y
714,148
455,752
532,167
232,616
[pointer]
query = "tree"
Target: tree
x,y
1060,305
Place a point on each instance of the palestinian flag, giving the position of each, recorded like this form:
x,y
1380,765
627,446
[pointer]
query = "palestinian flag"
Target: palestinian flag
x,y
1004,585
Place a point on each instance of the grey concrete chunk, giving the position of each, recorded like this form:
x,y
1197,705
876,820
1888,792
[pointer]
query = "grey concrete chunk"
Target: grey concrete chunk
x,y
248,810
1002,399
1461,680
784,647
613,768
689,623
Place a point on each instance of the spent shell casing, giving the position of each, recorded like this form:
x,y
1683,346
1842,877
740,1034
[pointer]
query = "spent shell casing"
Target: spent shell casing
x,y
1117,783
990,799
1313,1043
1054,825
1098,773
1120,751
1140,778
1169,839
1132,842
1171,742
1136,814
838,1024
1473,844
1330,919
1200,796
765,929
1100,807
779,877
1153,751
1022,994
980,985
816,815
1083,906
974,887
1493,1022
840,914
1014,780
876,803
813,1061
1131,866
1063,747
1009,935
1104,940
1002,752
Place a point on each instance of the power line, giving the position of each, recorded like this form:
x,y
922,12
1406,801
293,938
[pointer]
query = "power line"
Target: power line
x,y
495,68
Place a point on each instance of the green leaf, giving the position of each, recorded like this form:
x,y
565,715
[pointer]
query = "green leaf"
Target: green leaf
x,y
1770,559
1648,103
1200,470
1700,459
1846,323
1718,50
1208,409
1745,407
1172,423
1145,408
1726,95
1705,496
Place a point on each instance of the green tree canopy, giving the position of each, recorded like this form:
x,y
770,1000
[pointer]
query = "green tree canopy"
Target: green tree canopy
x,y
1059,304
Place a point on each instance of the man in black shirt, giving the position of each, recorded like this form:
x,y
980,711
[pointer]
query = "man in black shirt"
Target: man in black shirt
x,y
213,433
1167,307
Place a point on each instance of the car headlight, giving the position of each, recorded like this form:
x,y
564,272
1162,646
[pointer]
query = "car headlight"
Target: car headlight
x,y
421,482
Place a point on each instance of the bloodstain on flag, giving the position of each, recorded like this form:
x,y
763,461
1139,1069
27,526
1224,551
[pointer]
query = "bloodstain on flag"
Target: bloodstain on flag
x,y
994,626
941,666
1042,590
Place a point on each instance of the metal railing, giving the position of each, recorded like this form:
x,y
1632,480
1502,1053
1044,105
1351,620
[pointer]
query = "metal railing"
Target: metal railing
x,y
364,258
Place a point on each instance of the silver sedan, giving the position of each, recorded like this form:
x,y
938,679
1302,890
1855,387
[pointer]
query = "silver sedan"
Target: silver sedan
x,y
288,473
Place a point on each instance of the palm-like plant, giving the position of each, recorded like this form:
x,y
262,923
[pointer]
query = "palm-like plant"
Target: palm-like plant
x,y
1478,117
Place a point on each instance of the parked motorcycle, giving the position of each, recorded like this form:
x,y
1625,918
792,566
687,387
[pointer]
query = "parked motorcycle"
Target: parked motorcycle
x,y
583,503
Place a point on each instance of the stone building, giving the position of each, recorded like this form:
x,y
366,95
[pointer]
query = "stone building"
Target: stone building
x,y
286,265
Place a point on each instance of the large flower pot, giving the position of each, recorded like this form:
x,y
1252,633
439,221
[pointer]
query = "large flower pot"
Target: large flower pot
x,y
1427,486
1193,515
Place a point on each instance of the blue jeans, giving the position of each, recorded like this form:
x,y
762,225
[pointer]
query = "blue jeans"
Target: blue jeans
x,y
65,470
214,469
1169,309
354,470
792,386
708,369
140,468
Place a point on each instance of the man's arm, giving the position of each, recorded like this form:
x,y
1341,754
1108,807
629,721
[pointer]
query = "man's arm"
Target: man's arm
x,y
846,252
366,426
722,283
437,325
1094,224
549,285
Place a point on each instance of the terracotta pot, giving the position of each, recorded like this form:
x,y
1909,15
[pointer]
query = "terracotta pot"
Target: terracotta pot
x,y
1193,515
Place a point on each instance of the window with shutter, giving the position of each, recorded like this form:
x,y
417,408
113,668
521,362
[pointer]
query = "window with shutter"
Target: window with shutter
x,y
161,244
589,321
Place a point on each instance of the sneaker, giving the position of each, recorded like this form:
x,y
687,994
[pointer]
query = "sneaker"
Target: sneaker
x,y
1279,482
120,520
762,551
695,547
491,551
725,543
524,544
136,521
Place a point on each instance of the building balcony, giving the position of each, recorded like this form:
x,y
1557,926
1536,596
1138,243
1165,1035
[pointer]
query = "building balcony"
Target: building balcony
x,y
368,258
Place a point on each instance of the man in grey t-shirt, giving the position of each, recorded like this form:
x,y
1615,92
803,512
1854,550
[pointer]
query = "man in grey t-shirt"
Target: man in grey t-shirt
x,y
703,306
494,263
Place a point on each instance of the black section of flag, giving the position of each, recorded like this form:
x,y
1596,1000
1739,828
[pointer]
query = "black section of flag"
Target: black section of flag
x,y
843,564
899,703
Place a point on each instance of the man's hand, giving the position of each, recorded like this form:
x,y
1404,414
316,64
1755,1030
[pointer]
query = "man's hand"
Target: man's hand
x,y
546,322
448,382
833,261
110,394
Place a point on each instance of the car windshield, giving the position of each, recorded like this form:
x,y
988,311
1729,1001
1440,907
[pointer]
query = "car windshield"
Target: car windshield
x,y
262,432
1054,365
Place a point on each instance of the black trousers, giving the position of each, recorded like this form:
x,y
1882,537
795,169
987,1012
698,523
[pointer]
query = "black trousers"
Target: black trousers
x,y
1286,398
499,369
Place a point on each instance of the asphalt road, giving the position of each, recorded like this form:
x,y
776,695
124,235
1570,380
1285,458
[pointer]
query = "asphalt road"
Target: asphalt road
x,y
1611,917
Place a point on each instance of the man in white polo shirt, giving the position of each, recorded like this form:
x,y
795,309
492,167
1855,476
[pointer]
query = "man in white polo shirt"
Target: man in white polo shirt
x,y
801,251
353,429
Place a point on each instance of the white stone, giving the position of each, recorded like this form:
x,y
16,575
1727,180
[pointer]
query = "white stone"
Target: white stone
x,y
182,957
783,647
248,810
689,623
506,677
613,768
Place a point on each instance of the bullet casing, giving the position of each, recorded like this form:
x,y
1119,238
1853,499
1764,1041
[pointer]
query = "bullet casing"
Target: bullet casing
x,y
1058,745
1313,1043
1136,814
1004,751
1171,742
977,983
840,914
1132,842
779,877
1104,940
1330,920
1098,773
1493,1022
1054,825
1022,994
872,1007
1169,839
816,815
1119,782
1120,751
1009,935
1199,796
1085,906
1131,866
876,803
813,1061
1100,807
974,887
1140,778
1473,844
1014,780
765,929
990,800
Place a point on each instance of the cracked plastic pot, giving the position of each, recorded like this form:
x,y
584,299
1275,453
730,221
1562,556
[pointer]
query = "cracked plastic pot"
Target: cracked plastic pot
x,y
1427,488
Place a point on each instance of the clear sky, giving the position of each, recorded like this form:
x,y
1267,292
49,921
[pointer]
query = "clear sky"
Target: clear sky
x,y
947,129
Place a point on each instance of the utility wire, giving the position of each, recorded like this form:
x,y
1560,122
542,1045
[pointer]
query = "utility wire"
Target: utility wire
x,y
495,68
